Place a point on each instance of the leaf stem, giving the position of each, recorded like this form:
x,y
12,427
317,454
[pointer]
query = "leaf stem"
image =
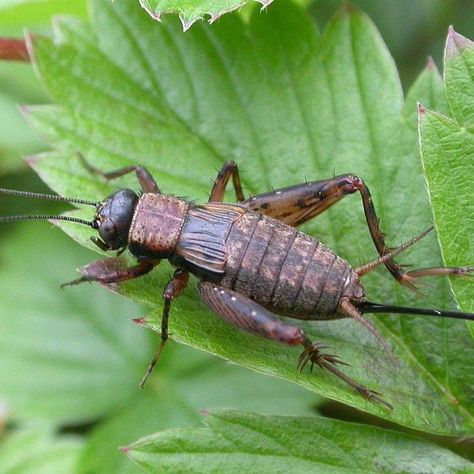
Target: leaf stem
x,y
13,49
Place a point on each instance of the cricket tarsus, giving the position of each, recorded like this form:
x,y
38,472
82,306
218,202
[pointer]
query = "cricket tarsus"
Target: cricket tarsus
x,y
252,262
313,354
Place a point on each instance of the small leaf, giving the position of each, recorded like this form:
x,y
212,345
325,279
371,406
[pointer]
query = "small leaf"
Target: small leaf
x,y
190,11
458,73
448,151
183,385
236,442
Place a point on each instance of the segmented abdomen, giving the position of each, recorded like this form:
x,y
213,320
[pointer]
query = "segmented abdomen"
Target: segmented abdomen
x,y
283,269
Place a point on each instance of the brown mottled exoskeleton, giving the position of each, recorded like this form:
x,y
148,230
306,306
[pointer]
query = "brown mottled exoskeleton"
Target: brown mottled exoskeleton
x,y
251,261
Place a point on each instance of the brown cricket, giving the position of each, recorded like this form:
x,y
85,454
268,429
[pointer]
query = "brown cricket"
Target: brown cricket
x,y
251,260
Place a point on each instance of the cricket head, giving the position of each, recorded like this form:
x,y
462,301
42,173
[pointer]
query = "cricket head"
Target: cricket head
x,y
113,218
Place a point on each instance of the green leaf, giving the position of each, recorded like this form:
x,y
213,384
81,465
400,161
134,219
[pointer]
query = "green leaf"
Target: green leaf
x,y
448,150
34,12
73,356
16,137
184,384
18,85
84,360
285,104
239,442
38,451
190,11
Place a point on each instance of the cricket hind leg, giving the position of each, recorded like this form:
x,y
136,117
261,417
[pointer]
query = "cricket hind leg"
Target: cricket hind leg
x,y
146,180
228,170
295,205
249,316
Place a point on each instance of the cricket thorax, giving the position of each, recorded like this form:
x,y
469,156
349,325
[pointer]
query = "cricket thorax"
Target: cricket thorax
x,y
156,225
202,247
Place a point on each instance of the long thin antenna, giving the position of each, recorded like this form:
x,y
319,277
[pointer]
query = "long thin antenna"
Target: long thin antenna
x,y
368,307
59,218
51,197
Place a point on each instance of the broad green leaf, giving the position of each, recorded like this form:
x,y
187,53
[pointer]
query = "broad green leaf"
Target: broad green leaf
x,y
236,442
185,384
67,356
286,104
448,158
190,11
38,451
73,356
34,12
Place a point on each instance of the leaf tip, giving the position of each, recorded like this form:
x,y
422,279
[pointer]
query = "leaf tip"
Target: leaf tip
x,y
124,449
214,17
147,7
265,4
430,64
456,43
421,110
25,110
187,23
32,160
140,321
29,39
348,9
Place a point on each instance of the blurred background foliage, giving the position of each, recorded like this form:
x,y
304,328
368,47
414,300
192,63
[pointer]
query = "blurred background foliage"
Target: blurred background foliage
x,y
35,259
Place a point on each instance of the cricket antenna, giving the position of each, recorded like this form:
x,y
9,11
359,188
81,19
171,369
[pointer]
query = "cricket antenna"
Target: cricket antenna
x,y
368,307
51,197
58,218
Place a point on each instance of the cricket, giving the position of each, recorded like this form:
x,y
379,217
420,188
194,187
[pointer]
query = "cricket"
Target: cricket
x,y
251,261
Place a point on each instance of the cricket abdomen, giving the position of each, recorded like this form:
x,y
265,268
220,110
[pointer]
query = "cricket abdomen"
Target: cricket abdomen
x,y
283,269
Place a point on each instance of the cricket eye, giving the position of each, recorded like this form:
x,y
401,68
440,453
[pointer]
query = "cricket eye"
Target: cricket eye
x,y
107,231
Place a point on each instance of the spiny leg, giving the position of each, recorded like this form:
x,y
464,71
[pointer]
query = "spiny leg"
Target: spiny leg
x,y
110,270
312,353
229,169
295,205
173,289
411,275
248,315
147,183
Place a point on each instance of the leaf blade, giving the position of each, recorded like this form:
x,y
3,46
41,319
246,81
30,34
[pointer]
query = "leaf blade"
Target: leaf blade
x,y
320,96
236,442
447,148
